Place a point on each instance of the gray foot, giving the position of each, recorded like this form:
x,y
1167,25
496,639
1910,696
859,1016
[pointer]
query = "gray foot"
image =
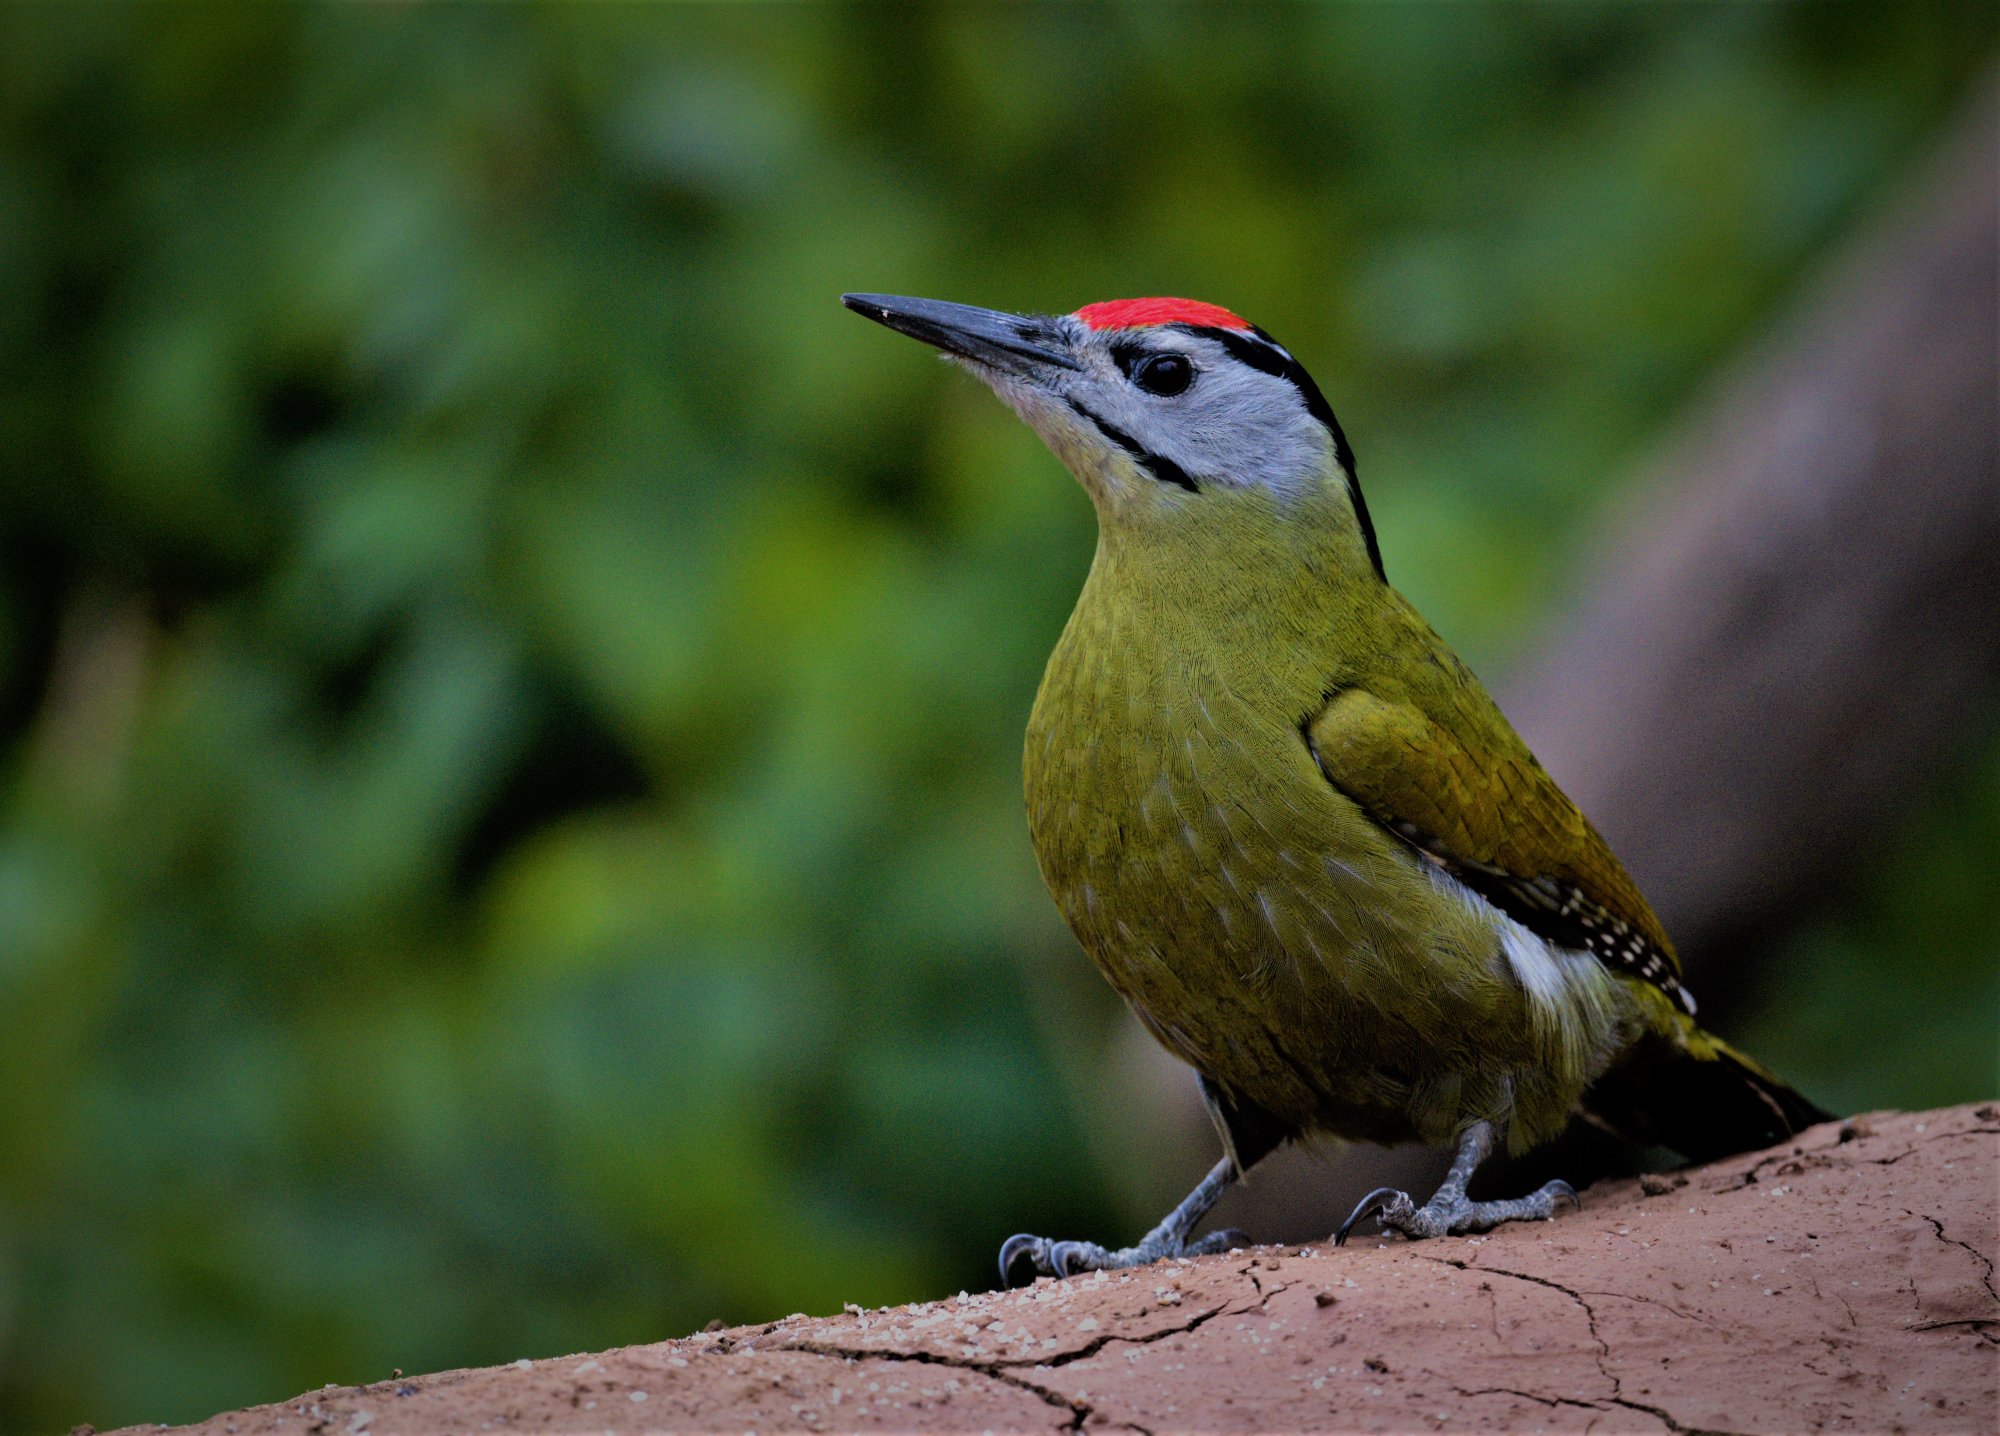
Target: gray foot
x,y
1168,1239
1450,1214
1047,1258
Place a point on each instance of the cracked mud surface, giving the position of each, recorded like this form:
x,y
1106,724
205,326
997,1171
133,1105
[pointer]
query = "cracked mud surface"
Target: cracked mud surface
x,y
1842,1282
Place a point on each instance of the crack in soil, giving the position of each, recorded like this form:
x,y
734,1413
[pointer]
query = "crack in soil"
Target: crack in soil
x,y
1665,1306
1845,1305
1825,1155
1079,1411
1751,1175
1617,1397
1985,1261
1551,1402
1006,1372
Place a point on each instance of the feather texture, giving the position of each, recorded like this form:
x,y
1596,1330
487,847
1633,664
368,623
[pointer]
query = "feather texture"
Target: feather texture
x,y
1444,771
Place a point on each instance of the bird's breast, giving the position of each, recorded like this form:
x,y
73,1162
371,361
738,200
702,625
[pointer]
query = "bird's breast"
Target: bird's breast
x,y
1268,931
1198,855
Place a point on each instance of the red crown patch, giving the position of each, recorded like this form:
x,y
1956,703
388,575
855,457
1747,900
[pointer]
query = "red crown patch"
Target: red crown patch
x,y
1136,313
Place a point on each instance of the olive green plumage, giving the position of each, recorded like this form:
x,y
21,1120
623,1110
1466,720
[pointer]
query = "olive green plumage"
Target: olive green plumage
x,y
1288,823
1263,923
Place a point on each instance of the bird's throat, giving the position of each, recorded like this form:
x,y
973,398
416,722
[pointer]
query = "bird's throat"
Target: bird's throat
x,y
1249,594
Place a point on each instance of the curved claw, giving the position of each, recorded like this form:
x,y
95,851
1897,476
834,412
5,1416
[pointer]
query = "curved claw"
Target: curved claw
x,y
1017,1246
1559,1189
1373,1202
1064,1258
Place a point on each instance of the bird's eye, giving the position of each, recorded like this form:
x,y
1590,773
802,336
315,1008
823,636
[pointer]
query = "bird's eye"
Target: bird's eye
x,y
1164,374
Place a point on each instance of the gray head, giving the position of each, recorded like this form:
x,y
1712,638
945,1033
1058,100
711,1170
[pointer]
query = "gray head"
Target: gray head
x,y
1150,402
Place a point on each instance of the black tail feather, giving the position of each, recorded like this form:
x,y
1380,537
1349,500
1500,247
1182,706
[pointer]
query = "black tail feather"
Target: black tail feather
x,y
1703,1098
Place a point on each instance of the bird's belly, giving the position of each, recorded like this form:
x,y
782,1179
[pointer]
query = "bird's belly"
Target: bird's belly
x,y
1273,936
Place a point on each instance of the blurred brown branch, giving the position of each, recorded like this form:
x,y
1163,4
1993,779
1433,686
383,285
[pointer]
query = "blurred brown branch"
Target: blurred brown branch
x,y
1797,619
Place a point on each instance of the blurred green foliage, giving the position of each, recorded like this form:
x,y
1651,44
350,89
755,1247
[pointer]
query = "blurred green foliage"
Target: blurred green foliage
x,y
510,698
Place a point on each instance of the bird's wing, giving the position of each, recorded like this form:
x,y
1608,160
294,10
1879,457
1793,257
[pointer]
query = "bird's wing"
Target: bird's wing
x,y
1446,773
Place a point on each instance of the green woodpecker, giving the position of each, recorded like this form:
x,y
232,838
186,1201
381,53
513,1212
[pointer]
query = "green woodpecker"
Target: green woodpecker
x,y
1289,824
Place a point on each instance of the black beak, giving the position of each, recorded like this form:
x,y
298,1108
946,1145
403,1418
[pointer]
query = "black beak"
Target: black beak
x,y
1020,344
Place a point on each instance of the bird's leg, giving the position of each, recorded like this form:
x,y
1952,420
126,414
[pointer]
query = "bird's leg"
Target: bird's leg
x,y
1168,1239
1448,1212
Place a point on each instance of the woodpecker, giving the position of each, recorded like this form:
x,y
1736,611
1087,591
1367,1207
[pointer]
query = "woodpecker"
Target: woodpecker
x,y
1287,822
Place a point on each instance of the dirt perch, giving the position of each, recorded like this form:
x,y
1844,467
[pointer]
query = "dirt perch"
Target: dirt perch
x,y
1843,1282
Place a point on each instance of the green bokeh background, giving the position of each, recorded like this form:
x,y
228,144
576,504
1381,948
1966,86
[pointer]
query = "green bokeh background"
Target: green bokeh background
x,y
510,835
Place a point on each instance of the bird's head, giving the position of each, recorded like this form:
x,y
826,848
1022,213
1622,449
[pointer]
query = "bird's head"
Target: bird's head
x,y
1169,411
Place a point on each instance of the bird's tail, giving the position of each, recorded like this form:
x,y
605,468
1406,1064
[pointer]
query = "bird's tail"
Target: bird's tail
x,y
1691,1091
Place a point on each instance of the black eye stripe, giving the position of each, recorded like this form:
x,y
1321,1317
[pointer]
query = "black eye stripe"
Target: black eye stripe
x,y
1128,357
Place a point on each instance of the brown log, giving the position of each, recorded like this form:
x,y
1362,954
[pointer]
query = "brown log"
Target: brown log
x,y
1794,623
1841,1282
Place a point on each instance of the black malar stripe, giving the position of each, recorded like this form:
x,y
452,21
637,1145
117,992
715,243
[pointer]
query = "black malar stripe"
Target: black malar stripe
x,y
1163,469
